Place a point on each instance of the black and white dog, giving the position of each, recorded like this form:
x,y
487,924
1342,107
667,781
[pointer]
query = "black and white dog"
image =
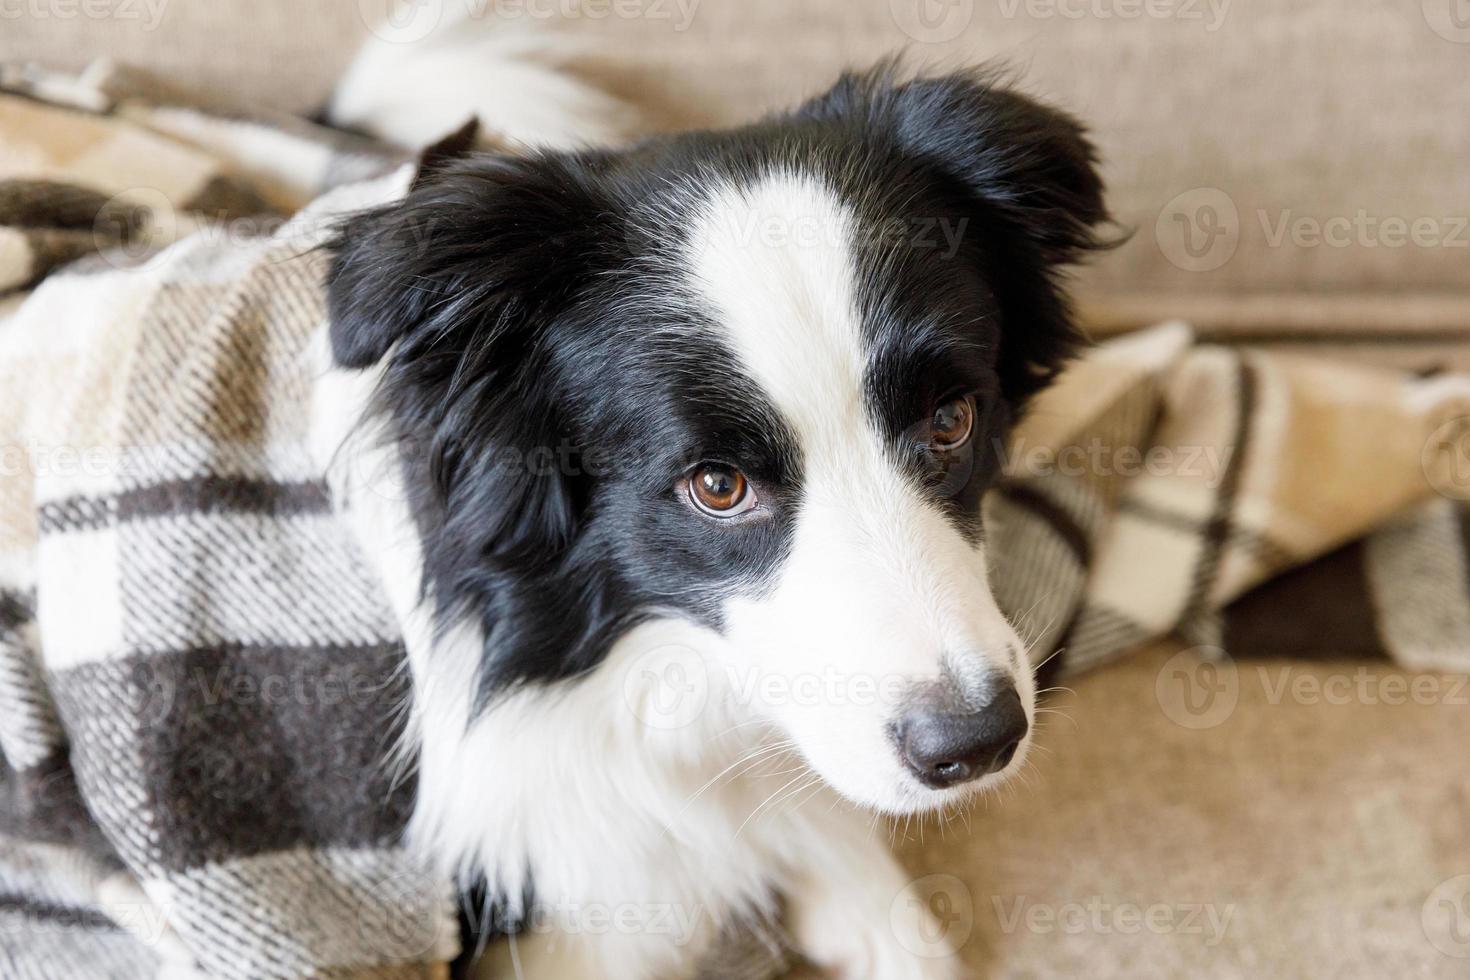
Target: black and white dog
x,y
680,451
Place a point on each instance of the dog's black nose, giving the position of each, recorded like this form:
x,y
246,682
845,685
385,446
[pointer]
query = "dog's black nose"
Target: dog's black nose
x,y
945,748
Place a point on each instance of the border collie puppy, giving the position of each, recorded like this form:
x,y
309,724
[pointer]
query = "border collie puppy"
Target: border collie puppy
x,y
678,453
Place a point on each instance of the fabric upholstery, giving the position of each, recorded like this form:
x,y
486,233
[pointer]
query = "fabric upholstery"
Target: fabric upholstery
x,y
1312,148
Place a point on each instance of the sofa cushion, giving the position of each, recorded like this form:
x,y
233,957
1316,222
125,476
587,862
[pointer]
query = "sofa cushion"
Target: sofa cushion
x,y
1297,158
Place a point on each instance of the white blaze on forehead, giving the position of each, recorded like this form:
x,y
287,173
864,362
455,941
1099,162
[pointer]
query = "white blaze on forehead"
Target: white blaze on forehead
x,y
877,584
775,260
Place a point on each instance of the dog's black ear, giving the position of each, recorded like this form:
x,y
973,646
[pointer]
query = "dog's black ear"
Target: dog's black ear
x,y
473,243
454,288
1024,167
440,154
458,289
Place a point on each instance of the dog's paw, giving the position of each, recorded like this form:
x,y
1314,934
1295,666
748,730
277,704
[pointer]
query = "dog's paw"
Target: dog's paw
x,y
555,955
912,944
874,964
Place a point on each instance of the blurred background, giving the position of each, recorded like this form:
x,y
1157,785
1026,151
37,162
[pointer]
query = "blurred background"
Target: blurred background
x,y
1285,166
1295,173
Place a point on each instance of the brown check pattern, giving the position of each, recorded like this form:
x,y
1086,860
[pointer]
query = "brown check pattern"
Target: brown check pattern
x,y
1258,502
200,685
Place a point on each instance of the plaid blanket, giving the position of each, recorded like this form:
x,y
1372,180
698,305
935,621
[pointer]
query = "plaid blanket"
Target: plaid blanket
x,y
1264,503
200,683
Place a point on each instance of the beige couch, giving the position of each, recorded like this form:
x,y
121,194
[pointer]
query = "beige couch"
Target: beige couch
x,y
1302,834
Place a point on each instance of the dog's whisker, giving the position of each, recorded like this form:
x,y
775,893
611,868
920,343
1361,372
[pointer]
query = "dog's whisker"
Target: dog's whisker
x,y
748,760
766,802
802,795
1050,657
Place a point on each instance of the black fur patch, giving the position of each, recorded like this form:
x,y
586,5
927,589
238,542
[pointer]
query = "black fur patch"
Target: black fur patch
x,y
551,376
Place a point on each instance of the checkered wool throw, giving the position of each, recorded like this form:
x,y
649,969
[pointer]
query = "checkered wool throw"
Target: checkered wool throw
x,y
200,683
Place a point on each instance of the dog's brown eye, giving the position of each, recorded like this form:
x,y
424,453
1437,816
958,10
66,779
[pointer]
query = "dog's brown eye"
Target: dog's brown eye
x,y
720,491
952,424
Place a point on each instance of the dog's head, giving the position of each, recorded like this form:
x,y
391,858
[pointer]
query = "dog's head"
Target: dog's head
x,y
752,379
